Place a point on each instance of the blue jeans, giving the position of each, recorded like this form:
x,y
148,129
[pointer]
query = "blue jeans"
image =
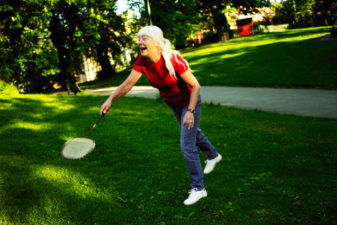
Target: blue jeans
x,y
189,139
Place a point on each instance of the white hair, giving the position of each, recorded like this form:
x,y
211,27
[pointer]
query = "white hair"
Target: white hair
x,y
165,45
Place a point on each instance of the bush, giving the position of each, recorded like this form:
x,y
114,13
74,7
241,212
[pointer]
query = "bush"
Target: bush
x,y
8,89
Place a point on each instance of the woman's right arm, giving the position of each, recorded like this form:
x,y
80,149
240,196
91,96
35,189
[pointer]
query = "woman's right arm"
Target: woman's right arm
x,y
122,90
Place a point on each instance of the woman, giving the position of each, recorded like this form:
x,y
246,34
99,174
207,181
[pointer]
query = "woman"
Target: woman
x,y
167,71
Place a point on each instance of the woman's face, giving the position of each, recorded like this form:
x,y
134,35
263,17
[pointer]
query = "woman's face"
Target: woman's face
x,y
147,46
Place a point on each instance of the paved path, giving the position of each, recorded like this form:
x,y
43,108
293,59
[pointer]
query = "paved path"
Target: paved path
x,y
303,102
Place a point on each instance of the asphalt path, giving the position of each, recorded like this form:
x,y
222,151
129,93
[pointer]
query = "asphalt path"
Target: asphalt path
x,y
302,102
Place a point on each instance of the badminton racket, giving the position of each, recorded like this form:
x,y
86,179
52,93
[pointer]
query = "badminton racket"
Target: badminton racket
x,y
78,147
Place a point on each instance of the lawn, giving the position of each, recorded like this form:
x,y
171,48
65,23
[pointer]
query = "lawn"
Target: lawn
x,y
295,58
277,169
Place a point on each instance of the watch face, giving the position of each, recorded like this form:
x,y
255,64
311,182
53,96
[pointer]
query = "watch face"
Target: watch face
x,y
191,110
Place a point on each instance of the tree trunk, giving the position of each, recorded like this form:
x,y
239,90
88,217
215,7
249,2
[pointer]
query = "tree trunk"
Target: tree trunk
x,y
220,23
61,37
104,60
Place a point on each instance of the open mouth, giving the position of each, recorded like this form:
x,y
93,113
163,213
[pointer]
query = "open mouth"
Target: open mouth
x,y
142,49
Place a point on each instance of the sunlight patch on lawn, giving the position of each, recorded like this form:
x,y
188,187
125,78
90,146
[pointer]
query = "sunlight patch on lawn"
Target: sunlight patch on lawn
x,y
66,137
70,182
51,101
226,56
290,39
59,105
214,59
213,75
240,44
211,49
32,126
5,105
27,126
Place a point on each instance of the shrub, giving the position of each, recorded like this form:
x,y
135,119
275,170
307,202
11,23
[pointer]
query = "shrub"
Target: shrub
x,y
8,89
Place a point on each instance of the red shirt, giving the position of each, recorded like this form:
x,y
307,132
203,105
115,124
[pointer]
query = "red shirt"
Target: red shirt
x,y
175,93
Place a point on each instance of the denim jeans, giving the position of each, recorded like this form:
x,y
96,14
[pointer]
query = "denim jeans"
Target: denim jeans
x,y
189,139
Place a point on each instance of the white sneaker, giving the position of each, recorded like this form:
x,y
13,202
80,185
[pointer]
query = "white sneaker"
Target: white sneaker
x,y
210,164
195,195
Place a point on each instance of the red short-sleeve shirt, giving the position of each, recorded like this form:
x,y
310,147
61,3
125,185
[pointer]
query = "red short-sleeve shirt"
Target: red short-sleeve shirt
x,y
175,93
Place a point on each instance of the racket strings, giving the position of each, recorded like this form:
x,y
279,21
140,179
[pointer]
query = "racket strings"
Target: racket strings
x,y
78,147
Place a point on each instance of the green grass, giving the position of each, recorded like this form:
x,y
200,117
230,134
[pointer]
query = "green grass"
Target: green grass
x,y
277,169
291,59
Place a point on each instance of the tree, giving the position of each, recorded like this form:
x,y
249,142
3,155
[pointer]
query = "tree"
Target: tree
x,y
63,25
178,19
325,12
212,12
27,55
305,13
113,37
44,41
298,13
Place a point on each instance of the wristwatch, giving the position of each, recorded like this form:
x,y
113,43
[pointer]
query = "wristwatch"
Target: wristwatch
x,y
191,110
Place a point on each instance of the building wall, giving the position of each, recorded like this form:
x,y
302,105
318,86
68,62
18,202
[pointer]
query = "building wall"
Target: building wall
x,y
91,67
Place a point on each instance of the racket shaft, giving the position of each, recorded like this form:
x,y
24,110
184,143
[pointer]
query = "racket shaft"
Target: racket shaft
x,y
93,127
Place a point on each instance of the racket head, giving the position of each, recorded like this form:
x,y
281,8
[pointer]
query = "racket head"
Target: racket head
x,y
77,148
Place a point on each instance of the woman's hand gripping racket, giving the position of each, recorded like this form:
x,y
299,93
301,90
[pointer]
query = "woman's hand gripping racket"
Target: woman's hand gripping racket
x,y
79,147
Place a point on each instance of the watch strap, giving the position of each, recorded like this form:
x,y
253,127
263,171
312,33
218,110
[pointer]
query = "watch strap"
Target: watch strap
x,y
191,110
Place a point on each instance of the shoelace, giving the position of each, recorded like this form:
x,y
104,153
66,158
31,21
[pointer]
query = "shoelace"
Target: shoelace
x,y
192,190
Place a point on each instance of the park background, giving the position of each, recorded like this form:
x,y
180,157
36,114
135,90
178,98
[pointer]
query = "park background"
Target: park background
x,y
277,169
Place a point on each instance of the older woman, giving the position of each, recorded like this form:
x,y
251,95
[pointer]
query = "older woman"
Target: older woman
x,y
170,73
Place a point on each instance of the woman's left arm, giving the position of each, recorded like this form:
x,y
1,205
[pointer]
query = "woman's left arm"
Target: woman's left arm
x,y
190,79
